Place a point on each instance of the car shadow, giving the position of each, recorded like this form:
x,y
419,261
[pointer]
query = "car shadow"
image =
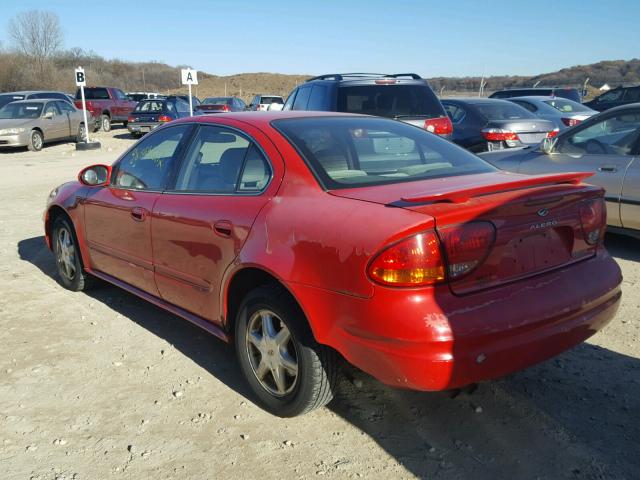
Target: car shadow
x,y
125,136
623,246
572,417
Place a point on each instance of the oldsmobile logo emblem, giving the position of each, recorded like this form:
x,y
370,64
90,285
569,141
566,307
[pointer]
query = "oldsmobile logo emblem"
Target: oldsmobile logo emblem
x,y
543,212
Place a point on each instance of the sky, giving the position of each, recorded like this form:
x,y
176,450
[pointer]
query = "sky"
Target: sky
x,y
431,38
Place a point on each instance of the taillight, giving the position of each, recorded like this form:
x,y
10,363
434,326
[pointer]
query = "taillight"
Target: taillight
x,y
499,135
131,119
439,126
553,132
466,246
413,262
593,216
164,118
225,108
571,122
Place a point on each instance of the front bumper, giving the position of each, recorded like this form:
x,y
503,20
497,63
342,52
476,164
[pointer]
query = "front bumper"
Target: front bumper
x,y
430,339
15,140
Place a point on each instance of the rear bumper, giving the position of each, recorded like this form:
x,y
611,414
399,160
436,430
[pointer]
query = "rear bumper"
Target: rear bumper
x,y
139,127
433,340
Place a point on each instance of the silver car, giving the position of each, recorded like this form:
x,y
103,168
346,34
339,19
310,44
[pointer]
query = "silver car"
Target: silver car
x,y
32,123
562,112
608,145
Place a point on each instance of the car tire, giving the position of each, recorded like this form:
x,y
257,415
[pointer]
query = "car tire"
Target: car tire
x,y
105,123
273,339
125,124
71,273
80,136
36,141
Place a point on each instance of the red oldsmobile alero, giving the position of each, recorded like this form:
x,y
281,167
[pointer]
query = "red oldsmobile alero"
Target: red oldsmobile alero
x,y
305,237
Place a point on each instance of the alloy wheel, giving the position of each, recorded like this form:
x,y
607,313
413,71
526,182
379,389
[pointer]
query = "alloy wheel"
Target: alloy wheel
x,y
272,353
66,253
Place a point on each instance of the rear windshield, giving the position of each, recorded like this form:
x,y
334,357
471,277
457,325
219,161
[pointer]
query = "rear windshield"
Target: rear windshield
x,y
4,99
21,110
268,100
346,152
216,101
149,106
394,101
503,111
567,106
93,94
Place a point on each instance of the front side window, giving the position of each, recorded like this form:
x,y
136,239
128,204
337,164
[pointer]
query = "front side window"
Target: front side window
x,y
149,165
51,109
222,161
345,152
612,136
65,107
302,98
611,96
288,105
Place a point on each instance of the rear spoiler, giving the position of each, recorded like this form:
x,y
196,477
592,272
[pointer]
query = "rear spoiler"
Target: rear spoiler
x,y
525,181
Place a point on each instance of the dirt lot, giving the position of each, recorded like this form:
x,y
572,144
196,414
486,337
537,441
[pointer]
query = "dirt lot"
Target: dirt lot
x,y
102,385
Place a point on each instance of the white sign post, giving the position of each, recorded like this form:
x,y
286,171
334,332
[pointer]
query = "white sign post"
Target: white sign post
x,y
189,77
81,81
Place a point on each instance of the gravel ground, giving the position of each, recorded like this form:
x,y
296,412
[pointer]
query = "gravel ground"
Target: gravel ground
x,y
102,385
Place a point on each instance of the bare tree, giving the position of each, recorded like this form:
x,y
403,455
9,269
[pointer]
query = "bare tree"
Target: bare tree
x,y
37,34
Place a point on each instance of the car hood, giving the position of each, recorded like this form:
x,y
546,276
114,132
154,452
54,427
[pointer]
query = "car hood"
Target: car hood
x,y
16,122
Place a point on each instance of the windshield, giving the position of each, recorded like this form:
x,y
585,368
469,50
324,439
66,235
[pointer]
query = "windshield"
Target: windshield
x,y
21,110
149,107
567,106
4,99
217,101
503,111
346,152
390,101
268,100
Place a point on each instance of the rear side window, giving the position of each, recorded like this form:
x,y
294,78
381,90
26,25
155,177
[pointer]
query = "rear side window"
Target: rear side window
x,y
392,101
455,112
503,111
222,161
345,152
302,98
95,93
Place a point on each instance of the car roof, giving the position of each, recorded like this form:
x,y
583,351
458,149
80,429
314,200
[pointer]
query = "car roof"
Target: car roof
x,y
265,118
29,92
540,98
37,100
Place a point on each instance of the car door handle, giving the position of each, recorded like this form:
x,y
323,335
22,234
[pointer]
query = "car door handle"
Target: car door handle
x,y
139,214
608,168
223,228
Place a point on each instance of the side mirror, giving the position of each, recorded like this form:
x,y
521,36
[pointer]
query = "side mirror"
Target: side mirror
x,y
48,115
95,175
546,146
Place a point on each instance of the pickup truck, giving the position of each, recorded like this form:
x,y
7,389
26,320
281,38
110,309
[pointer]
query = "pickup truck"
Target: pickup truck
x,y
105,105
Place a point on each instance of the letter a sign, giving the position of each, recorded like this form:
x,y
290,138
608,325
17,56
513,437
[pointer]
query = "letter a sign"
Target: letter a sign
x,y
189,77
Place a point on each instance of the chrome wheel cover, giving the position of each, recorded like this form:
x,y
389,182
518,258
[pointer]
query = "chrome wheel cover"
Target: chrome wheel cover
x,y
272,353
65,254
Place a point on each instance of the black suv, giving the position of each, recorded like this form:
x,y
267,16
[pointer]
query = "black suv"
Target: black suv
x,y
568,93
403,96
614,98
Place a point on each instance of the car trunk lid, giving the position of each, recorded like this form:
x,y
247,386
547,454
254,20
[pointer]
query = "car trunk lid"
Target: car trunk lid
x,y
536,219
529,131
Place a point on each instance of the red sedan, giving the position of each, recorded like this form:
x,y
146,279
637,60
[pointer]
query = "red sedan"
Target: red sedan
x,y
310,237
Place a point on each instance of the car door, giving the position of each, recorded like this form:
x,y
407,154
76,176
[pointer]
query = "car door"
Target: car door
x,y
603,146
54,123
200,225
630,198
72,118
118,216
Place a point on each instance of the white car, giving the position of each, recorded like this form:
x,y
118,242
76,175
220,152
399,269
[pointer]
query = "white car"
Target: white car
x,y
262,103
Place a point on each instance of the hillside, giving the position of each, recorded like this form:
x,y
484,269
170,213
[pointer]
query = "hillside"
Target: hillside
x,y
19,73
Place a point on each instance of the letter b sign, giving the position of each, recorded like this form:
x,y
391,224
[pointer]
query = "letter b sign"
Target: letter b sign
x,y
80,79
